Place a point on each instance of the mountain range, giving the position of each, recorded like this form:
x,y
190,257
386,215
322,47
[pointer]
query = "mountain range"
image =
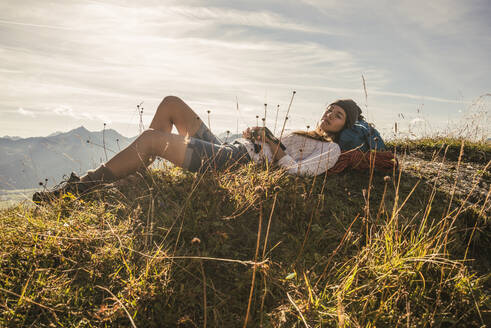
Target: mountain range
x,y
25,162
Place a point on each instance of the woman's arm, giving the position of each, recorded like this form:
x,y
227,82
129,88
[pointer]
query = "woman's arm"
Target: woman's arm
x,y
278,153
316,163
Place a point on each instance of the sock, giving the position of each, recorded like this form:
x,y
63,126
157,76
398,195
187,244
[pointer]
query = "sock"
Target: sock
x,y
100,175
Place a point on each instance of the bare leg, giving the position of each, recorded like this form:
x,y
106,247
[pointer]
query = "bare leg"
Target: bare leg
x,y
149,144
142,152
173,111
158,140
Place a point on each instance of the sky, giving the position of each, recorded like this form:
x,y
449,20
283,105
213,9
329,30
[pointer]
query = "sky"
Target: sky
x,y
421,64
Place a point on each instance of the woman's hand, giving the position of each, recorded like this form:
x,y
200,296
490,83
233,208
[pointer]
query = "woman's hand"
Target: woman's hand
x,y
246,134
255,133
278,153
258,133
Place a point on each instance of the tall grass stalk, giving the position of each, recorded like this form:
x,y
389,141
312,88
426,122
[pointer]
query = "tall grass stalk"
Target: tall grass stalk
x,y
255,266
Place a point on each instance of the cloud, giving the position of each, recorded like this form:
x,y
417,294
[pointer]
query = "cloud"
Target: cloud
x,y
419,97
9,22
63,110
25,112
262,19
441,16
10,71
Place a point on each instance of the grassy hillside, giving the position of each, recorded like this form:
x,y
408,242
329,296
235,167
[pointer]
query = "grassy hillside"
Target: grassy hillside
x,y
178,249
450,148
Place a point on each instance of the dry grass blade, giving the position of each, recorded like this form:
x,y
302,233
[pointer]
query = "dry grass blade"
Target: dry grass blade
x,y
254,267
27,299
298,310
120,303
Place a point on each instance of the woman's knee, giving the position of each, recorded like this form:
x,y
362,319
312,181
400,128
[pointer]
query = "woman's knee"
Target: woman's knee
x,y
168,107
170,100
148,140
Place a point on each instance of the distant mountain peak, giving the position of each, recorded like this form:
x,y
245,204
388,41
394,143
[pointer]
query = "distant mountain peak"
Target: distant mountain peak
x,y
54,134
80,129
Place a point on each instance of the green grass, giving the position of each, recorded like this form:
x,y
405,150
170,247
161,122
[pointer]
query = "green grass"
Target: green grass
x,y
180,249
473,151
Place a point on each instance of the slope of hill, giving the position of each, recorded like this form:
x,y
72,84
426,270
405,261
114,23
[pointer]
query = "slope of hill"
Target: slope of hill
x,y
256,246
26,162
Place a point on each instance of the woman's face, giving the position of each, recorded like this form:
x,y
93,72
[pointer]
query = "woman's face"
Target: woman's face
x,y
333,120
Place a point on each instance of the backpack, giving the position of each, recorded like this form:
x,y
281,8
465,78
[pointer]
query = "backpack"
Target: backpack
x,y
362,136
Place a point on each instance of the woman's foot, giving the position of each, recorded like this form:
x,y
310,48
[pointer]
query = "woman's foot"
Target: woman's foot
x,y
76,185
70,185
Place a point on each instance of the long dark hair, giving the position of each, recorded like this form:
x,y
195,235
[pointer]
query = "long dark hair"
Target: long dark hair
x,y
353,114
318,134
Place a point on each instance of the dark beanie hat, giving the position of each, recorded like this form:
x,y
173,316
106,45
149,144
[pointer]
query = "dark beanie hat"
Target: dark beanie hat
x,y
353,112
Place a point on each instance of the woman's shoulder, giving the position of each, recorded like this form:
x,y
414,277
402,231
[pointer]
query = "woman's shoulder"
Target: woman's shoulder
x,y
294,134
293,138
300,135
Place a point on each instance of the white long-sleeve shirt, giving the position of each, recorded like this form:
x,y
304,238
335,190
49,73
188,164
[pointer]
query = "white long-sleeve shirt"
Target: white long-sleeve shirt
x,y
304,156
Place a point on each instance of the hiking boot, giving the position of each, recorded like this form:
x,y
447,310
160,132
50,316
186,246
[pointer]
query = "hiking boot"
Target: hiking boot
x,y
76,185
71,185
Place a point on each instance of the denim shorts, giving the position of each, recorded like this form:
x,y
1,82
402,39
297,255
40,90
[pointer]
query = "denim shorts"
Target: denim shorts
x,y
202,155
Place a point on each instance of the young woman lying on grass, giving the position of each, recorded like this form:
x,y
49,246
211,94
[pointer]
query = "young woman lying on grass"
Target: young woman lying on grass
x,y
195,148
